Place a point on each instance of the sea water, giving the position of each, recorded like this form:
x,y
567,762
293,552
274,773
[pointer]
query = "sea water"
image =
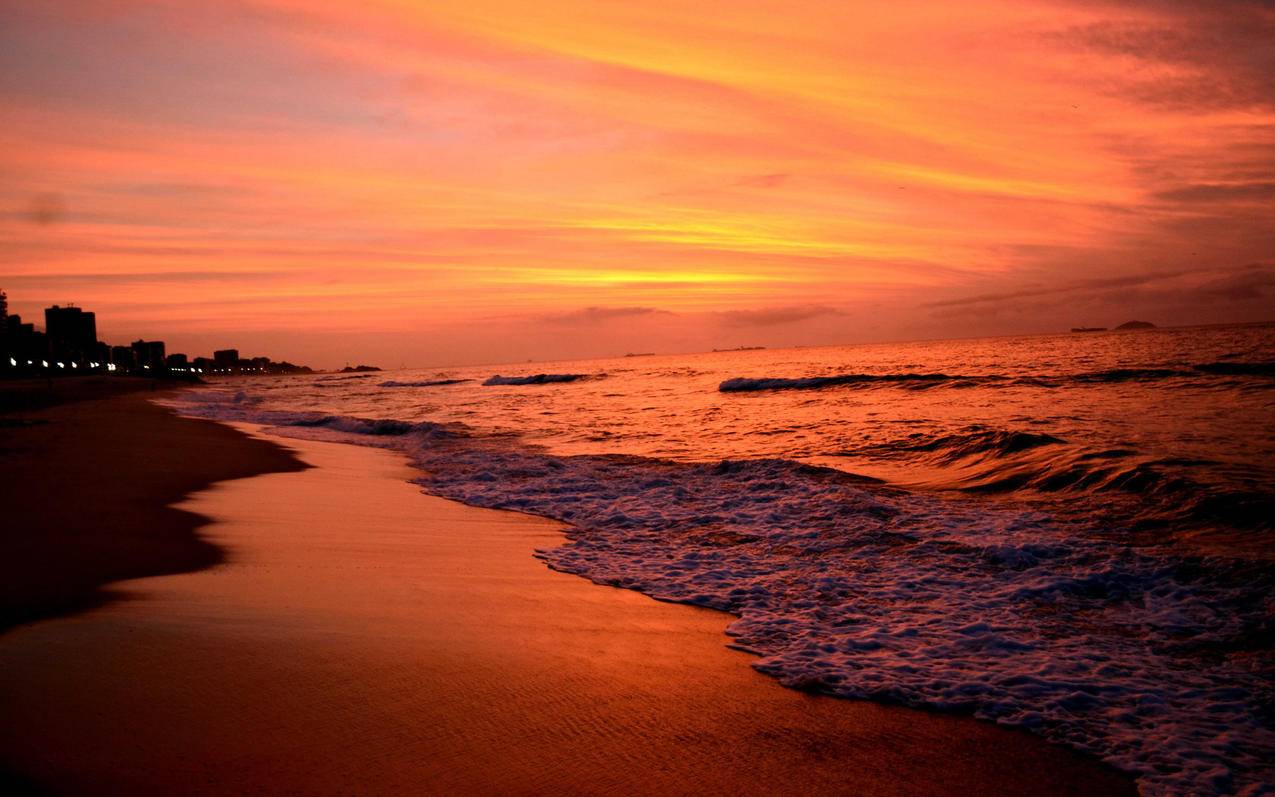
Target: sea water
x,y
1070,534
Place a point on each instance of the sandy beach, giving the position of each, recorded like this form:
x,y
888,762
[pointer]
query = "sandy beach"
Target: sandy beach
x,y
90,469
360,637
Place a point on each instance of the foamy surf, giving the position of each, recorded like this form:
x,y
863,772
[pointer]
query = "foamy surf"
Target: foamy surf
x,y
1142,657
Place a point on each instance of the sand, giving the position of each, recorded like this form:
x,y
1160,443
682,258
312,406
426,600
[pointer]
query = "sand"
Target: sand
x,y
88,469
363,638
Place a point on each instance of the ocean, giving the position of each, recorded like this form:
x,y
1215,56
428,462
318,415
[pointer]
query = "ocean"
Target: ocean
x,y
1070,534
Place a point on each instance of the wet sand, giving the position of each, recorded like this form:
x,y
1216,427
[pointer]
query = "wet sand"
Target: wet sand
x,y
364,638
88,470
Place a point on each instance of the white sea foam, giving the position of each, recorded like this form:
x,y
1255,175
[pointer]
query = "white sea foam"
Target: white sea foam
x,y
860,590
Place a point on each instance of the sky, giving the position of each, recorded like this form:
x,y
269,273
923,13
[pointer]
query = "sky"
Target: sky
x,y
438,183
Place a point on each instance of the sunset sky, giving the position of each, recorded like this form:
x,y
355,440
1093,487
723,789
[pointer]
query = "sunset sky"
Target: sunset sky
x,y
482,181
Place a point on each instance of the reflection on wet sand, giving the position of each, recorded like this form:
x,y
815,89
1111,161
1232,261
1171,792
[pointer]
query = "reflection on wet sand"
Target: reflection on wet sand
x,y
366,638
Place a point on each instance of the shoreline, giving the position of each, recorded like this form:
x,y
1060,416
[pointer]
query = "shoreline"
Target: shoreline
x,y
92,470
409,640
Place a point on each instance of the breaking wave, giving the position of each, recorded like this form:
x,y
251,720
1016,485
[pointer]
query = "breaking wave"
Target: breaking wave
x,y
534,379
1153,660
424,383
1238,369
976,442
744,384
920,381
1159,491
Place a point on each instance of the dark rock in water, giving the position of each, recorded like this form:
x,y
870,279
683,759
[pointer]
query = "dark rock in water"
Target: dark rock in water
x,y
1088,329
1136,325
358,369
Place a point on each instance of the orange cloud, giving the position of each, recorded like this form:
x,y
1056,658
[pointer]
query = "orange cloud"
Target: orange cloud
x,y
278,166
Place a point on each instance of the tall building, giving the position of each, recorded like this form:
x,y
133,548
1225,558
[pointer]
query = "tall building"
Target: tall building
x,y
149,354
23,343
123,358
72,332
100,354
226,360
6,346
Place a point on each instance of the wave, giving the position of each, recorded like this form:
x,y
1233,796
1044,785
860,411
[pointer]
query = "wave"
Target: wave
x,y
212,401
424,383
926,380
976,442
1145,657
534,379
1238,369
1165,492
744,384
1128,375
1197,371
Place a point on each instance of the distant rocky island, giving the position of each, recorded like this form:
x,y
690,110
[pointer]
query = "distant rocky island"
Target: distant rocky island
x,y
358,369
1088,329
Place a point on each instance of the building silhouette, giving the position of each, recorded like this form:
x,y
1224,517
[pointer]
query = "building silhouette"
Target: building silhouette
x,y
123,358
149,354
21,345
71,333
226,360
69,345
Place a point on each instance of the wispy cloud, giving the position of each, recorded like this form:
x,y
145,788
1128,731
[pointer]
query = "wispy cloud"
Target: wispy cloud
x,y
777,316
1190,55
1171,296
1214,193
602,315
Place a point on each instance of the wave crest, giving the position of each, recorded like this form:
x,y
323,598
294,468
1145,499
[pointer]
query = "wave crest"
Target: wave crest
x,y
1163,491
534,379
424,383
745,384
921,381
